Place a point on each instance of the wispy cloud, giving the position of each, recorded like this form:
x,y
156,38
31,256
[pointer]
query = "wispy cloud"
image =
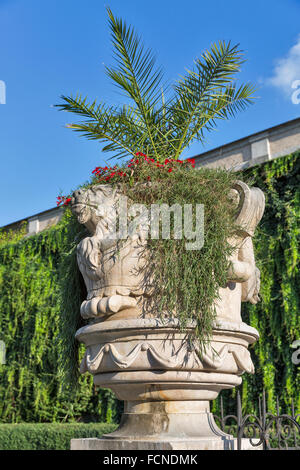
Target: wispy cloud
x,y
287,70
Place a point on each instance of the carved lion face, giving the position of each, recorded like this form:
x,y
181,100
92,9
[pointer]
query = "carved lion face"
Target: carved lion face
x,y
90,205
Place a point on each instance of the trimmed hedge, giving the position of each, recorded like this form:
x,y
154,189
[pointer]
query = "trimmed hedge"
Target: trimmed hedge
x,y
53,436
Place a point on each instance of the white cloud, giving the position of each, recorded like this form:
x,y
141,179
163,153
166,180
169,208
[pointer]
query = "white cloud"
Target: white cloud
x,y
287,70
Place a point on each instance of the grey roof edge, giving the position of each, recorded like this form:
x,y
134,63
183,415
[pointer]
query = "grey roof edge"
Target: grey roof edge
x,y
276,127
204,156
26,219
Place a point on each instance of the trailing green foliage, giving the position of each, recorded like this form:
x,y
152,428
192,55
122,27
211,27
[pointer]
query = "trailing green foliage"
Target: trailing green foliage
x,y
42,291
37,322
9,236
186,281
48,436
276,317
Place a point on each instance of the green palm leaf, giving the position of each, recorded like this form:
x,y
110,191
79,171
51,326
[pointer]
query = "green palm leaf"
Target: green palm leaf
x,y
157,123
208,93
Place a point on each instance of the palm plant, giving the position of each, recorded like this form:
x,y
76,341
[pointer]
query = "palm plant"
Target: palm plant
x,y
154,122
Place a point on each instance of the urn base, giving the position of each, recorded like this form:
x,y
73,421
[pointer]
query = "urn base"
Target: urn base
x,y
220,443
168,425
165,382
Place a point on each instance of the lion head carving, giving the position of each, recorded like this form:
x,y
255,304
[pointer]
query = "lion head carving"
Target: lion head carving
x,y
95,206
113,272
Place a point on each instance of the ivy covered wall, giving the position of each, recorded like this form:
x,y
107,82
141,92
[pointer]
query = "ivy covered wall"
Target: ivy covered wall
x,y
36,320
276,317
35,326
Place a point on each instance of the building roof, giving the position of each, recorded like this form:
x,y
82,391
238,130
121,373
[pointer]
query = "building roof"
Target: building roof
x,y
260,147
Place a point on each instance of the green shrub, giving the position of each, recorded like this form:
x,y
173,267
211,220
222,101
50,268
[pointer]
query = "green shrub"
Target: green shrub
x,y
48,436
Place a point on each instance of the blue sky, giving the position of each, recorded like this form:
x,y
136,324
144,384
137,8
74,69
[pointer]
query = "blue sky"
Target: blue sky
x,y
49,48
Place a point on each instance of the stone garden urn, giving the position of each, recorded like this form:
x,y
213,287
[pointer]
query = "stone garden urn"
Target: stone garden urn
x,y
145,359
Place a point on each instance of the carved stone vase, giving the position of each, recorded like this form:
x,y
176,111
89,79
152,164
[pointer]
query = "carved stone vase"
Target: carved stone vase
x,y
146,361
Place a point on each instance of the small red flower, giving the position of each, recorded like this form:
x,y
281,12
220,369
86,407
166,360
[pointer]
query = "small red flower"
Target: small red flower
x,y
191,161
67,201
64,200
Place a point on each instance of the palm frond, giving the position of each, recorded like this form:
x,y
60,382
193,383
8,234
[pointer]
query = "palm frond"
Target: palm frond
x,y
121,128
157,124
208,92
135,72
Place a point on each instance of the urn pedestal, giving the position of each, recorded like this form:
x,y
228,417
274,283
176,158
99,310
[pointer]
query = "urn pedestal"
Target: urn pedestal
x,y
165,380
165,383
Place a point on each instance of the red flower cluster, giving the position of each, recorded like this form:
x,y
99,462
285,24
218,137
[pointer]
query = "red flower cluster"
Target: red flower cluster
x,y
191,161
64,200
106,173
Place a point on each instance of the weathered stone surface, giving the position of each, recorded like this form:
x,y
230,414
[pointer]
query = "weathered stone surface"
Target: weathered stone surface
x,y
113,272
165,381
142,347
199,444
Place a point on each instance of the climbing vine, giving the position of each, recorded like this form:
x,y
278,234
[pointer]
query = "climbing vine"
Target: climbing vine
x,y
33,325
37,322
276,317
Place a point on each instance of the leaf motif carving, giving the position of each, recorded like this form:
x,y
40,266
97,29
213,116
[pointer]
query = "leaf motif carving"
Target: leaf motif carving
x,y
92,363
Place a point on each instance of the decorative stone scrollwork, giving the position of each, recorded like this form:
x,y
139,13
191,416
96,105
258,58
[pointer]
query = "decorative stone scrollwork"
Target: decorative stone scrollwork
x,y
146,355
166,385
113,272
